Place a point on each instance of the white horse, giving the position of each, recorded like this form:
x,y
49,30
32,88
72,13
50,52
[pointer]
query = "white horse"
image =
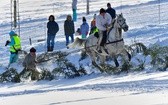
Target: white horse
x,y
114,43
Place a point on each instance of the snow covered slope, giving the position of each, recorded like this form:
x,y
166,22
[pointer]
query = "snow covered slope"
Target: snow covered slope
x,y
139,88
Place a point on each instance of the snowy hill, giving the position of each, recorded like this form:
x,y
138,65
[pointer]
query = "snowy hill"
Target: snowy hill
x,y
148,87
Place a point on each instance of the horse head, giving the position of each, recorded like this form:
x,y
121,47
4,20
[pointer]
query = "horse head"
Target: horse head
x,y
122,22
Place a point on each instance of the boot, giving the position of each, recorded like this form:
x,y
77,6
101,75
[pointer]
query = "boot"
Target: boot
x,y
48,49
51,48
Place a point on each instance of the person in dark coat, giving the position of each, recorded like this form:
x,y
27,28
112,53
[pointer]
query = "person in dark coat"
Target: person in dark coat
x,y
53,28
69,29
111,11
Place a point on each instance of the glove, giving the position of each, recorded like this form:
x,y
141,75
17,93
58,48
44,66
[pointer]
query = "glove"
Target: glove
x,y
105,25
7,42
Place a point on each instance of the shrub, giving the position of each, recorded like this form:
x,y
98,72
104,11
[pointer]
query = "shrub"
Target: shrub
x,y
10,75
46,75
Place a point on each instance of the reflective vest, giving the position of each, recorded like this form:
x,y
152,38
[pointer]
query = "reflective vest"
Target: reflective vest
x,y
95,30
17,45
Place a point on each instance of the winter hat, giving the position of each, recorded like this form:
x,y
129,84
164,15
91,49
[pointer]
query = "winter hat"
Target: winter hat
x,y
84,19
32,49
11,33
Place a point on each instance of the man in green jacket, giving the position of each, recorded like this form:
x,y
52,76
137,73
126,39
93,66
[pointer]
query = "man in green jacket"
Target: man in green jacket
x,y
15,46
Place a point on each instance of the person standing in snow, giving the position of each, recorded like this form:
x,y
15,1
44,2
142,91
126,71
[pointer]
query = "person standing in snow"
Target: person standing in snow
x,y
53,28
84,28
74,8
15,46
69,29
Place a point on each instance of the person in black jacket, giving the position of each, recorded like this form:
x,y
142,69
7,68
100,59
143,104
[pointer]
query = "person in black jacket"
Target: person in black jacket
x,y
69,29
111,11
53,28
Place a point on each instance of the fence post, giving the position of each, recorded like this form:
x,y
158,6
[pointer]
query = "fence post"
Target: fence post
x,y
159,11
30,41
87,7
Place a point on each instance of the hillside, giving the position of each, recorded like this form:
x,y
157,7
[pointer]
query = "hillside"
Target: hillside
x,y
147,87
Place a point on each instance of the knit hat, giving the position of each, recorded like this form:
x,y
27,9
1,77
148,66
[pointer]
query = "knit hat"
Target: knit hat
x,y
84,19
11,33
32,49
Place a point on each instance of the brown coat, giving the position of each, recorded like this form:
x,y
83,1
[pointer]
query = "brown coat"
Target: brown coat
x,y
30,62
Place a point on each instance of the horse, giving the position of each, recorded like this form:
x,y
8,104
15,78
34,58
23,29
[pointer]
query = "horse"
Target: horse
x,y
114,43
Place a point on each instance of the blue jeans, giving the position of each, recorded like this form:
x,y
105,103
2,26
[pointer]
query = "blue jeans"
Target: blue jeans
x,y
67,39
50,40
13,58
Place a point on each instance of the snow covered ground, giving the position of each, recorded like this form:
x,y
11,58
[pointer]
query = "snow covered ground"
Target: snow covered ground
x,y
138,88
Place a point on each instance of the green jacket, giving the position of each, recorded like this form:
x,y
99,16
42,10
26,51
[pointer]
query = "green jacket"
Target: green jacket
x,y
15,43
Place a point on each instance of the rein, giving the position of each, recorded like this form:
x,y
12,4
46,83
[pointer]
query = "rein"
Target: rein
x,y
105,43
115,41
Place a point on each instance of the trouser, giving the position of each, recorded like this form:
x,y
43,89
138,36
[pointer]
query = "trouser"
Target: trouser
x,y
74,15
102,38
13,57
67,39
35,74
50,41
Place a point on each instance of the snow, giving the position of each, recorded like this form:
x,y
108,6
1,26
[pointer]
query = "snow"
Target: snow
x,y
148,87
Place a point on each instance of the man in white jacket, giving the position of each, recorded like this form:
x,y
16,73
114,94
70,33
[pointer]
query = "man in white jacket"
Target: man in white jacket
x,y
103,20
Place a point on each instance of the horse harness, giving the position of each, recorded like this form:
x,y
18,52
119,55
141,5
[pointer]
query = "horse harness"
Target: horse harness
x,y
109,42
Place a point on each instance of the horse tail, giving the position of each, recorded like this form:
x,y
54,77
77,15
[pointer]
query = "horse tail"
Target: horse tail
x,y
78,42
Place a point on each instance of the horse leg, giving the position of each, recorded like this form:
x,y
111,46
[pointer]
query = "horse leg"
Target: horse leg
x,y
129,55
125,55
93,58
116,61
102,59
